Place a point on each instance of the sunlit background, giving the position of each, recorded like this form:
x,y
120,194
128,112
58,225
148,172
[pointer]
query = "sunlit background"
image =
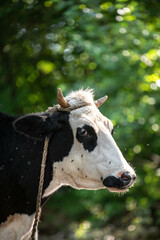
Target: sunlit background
x,y
113,47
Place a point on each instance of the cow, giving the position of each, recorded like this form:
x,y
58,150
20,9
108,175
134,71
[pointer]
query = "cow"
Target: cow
x,y
81,153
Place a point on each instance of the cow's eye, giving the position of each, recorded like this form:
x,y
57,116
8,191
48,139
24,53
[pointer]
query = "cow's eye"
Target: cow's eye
x,y
83,132
87,136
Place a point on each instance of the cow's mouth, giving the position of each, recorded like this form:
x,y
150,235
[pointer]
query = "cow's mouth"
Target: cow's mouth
x,y
120,184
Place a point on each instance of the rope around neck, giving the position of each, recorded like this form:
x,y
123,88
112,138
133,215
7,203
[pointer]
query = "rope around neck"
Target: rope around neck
x,y
40,189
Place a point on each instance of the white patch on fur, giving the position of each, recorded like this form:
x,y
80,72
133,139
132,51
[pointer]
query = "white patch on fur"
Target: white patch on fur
x,y
17,227
83,169
80,97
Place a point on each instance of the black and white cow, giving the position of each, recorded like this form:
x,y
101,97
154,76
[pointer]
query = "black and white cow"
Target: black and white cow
x,y
82,154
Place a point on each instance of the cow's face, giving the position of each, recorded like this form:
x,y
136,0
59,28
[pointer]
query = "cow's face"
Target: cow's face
x,y
94,161
83,151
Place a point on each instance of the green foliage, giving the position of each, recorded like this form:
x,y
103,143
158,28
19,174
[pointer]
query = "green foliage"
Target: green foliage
x,y
111,46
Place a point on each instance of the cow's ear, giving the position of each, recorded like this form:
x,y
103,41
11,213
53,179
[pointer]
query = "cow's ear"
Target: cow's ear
x,y
39,126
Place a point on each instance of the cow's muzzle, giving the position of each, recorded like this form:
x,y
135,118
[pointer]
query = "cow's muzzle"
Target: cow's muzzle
x,y
125,181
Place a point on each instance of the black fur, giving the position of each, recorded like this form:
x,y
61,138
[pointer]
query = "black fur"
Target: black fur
x,y
89,140
40,125
20,157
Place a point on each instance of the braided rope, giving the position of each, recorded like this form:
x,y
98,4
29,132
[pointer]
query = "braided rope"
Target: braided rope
x,y
57,107
40,189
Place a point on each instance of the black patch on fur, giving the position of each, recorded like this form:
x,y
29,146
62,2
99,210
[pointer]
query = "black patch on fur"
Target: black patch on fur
x,y
89,140
21,156
40,125
62,141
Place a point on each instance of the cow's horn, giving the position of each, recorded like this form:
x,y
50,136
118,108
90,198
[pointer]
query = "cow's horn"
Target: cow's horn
x,y
100,101
61,100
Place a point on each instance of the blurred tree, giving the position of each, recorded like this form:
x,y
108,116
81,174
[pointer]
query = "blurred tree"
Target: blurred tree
x,y
111,46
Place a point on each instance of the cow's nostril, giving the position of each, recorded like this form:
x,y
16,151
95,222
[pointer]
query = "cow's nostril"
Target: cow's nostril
x,y
126,178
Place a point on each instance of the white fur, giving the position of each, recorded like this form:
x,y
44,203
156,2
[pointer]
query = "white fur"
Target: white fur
x,y
17,227
80,97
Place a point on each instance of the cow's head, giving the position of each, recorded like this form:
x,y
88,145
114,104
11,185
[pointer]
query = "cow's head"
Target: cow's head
x,y
82,148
